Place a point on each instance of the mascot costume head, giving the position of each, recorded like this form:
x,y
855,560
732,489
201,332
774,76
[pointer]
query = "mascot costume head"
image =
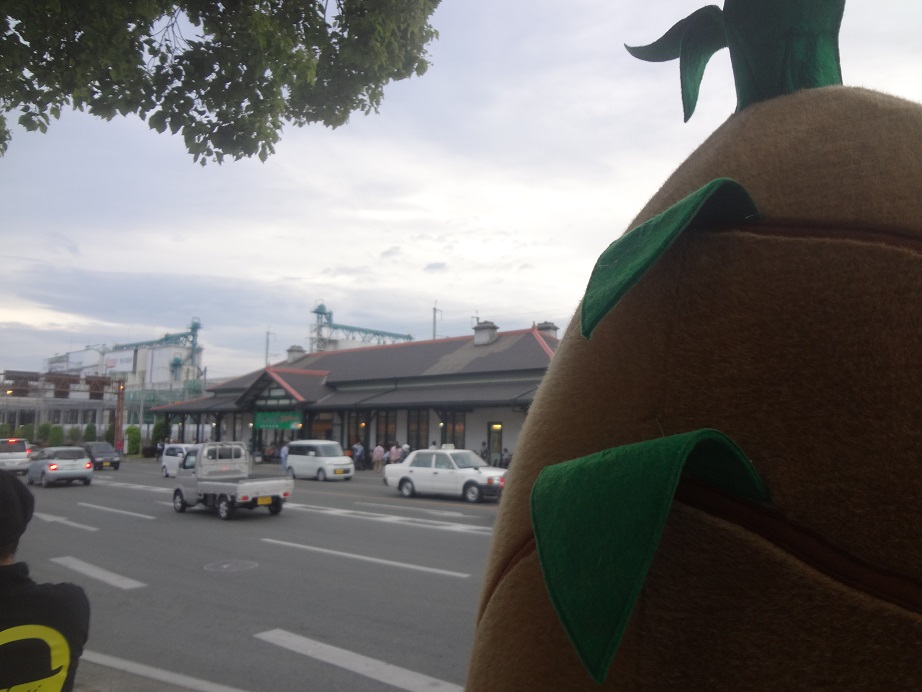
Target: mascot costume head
x,y
719,485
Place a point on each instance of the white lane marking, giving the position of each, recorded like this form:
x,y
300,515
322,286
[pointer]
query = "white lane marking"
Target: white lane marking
x,y
157,674
387,673
424,510
116,511
63,520
133,486
377,560
103,575
394,519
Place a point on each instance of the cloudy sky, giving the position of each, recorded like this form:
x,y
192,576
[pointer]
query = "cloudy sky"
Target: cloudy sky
x,y
486,188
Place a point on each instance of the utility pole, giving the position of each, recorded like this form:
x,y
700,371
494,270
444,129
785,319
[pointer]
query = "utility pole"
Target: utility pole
x,y
268,334
434,311
119,414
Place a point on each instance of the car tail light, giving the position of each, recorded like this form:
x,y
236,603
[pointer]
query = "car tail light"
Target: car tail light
x,y
244,498
88,465
52,467
286,494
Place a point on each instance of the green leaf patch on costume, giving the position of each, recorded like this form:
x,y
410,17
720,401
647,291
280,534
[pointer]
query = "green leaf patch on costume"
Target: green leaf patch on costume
x,y
598,520
625,261
776,47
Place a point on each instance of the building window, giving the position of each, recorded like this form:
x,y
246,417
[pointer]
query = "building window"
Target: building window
x,y
452,427
358,428
418,428
322,427
386,428
70,416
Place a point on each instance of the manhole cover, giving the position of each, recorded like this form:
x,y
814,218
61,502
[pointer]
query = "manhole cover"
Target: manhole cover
x,y
231,566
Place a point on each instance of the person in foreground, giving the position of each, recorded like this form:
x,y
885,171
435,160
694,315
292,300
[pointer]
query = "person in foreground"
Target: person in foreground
x,y
43,627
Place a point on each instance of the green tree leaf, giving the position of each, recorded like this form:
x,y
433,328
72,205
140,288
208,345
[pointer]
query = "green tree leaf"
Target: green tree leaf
x,y
243,70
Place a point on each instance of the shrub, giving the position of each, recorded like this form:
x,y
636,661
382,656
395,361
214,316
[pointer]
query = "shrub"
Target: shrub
x,y
160,431
133,437
89,432
6,430
56,436
44,433
74,436
27,431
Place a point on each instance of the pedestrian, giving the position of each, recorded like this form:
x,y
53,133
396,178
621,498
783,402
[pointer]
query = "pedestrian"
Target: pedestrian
x,y
43,627
434,445
404,452
484,452
507,458
358,455
377,457
283,456
394,457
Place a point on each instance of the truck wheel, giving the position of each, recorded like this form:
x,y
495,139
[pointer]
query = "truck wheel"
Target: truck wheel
x,y
225,507
179,503
321,476
166,474
276,506
406,488
472,492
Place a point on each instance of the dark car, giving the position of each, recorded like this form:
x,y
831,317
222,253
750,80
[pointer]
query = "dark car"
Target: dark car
x,y
103,455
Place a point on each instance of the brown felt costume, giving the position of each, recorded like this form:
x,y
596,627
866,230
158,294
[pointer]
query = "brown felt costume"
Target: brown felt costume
x,y
800,337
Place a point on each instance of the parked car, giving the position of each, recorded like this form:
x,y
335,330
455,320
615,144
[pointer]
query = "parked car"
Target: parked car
x,y
458,472
171,457
103,455
320,459
14,454
60,465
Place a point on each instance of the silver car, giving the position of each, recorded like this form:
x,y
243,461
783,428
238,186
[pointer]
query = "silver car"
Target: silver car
x,y
320,459
169,460
14,454
60,465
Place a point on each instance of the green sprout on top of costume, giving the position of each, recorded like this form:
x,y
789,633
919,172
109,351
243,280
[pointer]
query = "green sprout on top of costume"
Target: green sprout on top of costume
x,y
776,47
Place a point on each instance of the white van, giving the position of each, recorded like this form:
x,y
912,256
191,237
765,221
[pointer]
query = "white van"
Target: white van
x,y
320,459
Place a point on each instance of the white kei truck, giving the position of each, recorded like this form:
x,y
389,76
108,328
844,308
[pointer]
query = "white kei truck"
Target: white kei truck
x,y
217,474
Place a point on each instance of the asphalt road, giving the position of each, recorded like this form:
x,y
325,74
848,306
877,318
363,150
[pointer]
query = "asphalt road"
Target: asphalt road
x,y
351,587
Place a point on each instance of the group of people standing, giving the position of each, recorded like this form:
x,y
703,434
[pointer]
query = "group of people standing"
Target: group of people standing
x,y
379,455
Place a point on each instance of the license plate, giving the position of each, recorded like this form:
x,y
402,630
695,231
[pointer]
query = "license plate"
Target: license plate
x,y
105,463
339,472
264,500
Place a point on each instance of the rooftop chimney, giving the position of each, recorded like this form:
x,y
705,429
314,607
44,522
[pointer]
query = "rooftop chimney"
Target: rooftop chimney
x,y
547,329
484,333
295,352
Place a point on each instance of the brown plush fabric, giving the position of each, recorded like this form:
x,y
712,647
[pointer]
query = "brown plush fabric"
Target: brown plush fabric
x,y
800,339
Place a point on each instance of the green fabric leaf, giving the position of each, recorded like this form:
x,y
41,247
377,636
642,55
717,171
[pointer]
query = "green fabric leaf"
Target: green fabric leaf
x,y
625,261
783,46
598,521
693,40
775,47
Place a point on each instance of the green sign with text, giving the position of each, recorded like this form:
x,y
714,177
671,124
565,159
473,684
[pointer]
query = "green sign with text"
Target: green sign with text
x,y
277,420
